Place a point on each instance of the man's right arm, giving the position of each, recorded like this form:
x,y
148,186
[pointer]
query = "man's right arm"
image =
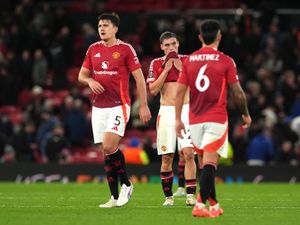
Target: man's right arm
x,y
240,101
85,78
157,85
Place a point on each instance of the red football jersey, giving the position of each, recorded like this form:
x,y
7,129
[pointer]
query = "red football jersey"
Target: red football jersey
x,y
156,68
111,67
207,72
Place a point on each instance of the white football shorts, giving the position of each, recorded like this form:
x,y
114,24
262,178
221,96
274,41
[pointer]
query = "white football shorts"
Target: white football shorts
x,y
210,137
166,133
109,120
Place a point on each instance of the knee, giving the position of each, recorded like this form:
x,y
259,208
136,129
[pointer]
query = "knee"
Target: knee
x,y
108,148
167,160
188,155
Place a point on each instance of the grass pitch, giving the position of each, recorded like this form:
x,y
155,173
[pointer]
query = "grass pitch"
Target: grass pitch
x,y
55,204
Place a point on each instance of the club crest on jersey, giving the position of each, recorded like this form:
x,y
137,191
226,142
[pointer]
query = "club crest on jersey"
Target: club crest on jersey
x,y
163,148
116,55
105,65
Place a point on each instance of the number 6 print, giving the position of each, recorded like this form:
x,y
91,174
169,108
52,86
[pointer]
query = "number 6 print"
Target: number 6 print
x,y
201,76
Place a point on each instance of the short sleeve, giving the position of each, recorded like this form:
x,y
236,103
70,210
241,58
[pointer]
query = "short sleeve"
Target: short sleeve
x,y
132,60
87,62
232,76
183,78
152,73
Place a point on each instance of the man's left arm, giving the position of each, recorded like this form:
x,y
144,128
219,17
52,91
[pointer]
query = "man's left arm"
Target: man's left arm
x,y
145,114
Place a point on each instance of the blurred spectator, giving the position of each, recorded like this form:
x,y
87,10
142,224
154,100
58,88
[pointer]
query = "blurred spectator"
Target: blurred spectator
x,y
59,59
286,152
54,146
61,19
6,126
8,155
90,35
256,100
289,89
48,121
26,69
34,108
6,84
239,143
40,69
83,95
24,143
296,50
260,150
231,43
15,41
285,141
253,38
272,60
74,121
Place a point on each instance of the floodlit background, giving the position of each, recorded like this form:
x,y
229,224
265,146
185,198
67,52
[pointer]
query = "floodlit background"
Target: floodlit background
x,y
45,113
45,131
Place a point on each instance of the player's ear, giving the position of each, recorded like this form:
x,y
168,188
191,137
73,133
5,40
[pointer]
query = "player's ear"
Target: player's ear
x,y
161,47
200,38
117,28
219,36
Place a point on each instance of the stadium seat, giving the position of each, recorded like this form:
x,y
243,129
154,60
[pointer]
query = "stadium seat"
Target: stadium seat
x,y
61,94
14,113
16,117
24,98
9,109
90,154
47,93
57,101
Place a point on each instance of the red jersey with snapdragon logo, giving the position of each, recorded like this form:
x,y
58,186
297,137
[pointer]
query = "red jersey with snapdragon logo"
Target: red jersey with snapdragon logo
x,y
156,68
111,67
207,72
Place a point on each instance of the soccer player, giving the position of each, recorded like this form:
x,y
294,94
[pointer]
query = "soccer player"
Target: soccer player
x,y
106,69
206,73
162,77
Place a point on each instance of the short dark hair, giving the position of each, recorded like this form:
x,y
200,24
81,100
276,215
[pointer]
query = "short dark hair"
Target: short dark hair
x,y
209,30
113,17
167,35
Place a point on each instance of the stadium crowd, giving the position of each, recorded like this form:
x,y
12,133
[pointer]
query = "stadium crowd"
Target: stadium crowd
x,y
45,113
